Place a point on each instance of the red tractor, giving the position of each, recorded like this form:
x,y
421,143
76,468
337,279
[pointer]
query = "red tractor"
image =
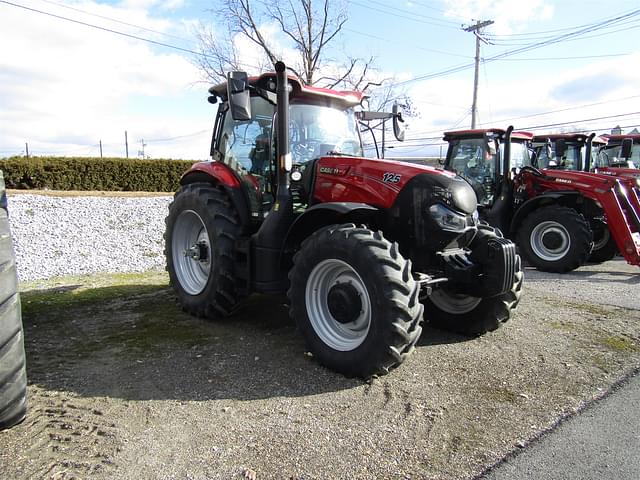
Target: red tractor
x,y
289,205
552,213
586,153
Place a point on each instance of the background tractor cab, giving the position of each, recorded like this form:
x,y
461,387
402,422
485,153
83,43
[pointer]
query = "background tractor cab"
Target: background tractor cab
x,y
586,153
289,205
620,156
567,151
559,217
479,157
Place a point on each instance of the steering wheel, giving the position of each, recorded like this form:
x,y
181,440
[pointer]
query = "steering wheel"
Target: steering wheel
x,y
348,146
303,151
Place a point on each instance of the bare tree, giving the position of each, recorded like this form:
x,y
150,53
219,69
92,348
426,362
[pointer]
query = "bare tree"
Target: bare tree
x,y
308,28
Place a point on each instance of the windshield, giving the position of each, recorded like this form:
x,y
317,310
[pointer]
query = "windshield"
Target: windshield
x,y
570,160
612,155
471,159
317,130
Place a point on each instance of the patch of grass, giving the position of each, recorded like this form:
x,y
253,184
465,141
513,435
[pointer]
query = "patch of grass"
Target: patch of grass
x,y
502,394
592,308
560,326
74,292
620,344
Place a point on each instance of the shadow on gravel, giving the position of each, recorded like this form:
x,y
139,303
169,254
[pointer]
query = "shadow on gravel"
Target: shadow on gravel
x,y
433,336
133,342
613,271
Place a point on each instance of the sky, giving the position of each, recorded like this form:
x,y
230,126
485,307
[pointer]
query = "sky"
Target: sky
x,y
70,81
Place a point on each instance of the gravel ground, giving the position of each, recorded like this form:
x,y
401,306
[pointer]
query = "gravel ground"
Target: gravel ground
x,y
58,235
124,385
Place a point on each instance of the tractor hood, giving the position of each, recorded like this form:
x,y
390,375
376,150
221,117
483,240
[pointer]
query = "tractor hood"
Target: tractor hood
x,y
378,182
573,178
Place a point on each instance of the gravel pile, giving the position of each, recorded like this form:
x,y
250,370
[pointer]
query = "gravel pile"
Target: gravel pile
x,y
58,236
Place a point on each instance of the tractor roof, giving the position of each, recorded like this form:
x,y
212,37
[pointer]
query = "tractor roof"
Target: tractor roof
x,y
483,132
267,81
618,138
569,137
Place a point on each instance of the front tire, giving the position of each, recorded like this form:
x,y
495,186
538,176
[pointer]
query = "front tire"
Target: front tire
x,y
13,376
555,239
473,316
201,231
355,301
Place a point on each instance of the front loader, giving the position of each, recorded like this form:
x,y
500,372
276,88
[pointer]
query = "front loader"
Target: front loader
x,y
588,153
360,246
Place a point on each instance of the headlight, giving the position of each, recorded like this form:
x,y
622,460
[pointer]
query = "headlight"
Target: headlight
x,y
447,218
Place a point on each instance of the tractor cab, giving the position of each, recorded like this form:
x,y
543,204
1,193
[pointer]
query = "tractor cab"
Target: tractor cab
x,y
321,122
480,157
621,152
567,151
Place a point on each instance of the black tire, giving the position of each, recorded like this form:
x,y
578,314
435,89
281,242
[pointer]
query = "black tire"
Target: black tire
x,y
472,316
13,373
205,283
555,239
604,245
358,276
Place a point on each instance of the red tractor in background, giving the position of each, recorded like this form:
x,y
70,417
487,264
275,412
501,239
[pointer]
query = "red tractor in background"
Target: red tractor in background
x,y
289,205
551,213
585,153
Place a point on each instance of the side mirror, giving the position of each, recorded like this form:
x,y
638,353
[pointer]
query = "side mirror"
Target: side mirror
x,y
238,95
398,130
627,145
561,148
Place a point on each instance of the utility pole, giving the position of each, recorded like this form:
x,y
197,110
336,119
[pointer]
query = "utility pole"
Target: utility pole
x,y
100,148
126,143
476,31
26,149
141,152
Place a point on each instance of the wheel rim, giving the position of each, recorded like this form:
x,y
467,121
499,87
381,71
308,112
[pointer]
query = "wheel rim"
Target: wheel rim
x,y
338,325
191,252
453,303
550,241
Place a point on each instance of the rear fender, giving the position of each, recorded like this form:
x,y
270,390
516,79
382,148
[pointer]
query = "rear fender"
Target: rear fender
x,y
216,173
566,198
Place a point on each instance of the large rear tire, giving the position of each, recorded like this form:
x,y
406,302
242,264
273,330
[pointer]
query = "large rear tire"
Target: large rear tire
x,y
13,376
469,315
555,239
355,300
201,231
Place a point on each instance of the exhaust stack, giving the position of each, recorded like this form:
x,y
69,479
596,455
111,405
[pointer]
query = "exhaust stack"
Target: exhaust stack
x,y
267,243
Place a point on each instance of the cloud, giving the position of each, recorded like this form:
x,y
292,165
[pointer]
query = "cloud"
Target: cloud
x,y
64,86
509,16
594,87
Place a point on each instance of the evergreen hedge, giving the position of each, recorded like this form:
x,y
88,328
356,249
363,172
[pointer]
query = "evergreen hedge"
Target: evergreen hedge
x,y
105,174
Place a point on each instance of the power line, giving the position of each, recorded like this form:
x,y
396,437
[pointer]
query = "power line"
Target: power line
x,y
114,20
593,27
449,54
544,59
105,29
409,16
